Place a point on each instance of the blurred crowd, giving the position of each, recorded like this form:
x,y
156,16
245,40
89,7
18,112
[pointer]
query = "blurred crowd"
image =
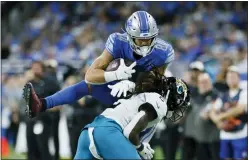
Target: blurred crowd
x,y
208,38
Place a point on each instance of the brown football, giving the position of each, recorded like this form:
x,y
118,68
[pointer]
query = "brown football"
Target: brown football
x,y
114,65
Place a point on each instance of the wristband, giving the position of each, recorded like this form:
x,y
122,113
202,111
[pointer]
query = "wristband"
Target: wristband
x,y
110,76
140,147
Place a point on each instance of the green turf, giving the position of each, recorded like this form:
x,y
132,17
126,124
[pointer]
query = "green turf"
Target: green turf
x,y
14,155
158,154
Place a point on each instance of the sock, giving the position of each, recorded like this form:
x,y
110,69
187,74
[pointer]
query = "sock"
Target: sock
x,y
68,95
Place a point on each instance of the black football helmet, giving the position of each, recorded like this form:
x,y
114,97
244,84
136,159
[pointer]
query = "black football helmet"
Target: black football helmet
x,y
173,89
177,94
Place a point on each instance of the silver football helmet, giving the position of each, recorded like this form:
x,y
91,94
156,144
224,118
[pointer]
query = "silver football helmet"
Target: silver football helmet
x,y
141,25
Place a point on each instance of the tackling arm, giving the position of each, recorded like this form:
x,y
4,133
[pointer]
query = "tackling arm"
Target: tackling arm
x,y
146,114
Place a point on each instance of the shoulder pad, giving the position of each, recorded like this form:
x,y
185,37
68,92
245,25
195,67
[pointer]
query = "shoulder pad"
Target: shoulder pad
x,y
122,37
166,49
161,44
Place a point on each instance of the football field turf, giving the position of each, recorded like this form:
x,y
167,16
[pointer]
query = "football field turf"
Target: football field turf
x,y
158,154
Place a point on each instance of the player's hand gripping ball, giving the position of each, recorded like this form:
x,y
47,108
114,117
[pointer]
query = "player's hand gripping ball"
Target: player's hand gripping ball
x,y
114,65
122,69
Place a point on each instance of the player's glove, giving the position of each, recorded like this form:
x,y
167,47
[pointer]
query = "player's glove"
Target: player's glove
x,y
121,88
123,72
145,151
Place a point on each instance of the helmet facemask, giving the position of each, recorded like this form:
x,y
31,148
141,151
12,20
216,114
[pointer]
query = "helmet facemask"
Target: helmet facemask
x,y
141,50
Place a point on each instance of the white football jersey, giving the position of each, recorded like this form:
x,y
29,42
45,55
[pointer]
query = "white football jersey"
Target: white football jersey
x,y
128,108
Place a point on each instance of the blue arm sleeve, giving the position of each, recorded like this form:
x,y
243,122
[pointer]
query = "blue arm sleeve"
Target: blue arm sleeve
x,y
68,95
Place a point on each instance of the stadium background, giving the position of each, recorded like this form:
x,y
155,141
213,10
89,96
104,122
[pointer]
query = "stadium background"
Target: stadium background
x,y
68,36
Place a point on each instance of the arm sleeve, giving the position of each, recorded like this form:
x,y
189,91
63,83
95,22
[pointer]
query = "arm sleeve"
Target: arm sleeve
x,y
112,46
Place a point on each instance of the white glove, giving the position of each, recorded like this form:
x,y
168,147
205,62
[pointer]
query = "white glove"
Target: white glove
x,y
121,88
123,72
147,152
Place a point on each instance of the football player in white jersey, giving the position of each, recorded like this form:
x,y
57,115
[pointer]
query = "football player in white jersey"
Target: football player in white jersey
x,y
123,132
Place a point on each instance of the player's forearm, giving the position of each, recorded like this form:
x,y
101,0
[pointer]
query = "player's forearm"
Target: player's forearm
x,y
98,76
134,139
95,76
133,129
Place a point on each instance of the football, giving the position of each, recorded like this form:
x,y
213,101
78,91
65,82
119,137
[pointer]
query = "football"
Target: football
x,y
114,65
231,123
